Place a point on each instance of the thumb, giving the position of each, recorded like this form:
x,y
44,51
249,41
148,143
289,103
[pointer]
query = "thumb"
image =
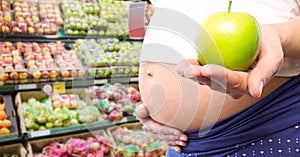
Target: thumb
x,y
262,73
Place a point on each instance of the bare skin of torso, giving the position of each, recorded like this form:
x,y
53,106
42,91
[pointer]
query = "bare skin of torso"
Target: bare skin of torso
x,y
185,104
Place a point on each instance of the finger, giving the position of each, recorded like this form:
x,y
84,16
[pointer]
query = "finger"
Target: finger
x,y
227,79
141,111
262,73
177,143
167,130
176,148
182,65
183,137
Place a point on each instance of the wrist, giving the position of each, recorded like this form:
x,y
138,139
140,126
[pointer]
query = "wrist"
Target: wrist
x,y
283,34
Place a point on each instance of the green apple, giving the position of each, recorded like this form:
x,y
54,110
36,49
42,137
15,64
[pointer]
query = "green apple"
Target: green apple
x,y
42,119
74,122
49,125
42,127
66,123
230,39
50,118
58,123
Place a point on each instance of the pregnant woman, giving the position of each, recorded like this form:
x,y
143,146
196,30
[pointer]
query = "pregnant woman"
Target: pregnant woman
x,y
212,111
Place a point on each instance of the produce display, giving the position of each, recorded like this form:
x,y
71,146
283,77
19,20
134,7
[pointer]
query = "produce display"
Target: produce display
x,y
29,65
39,61
108,57
116,14
25,16
57,111
74,17
69,64
114,101
50,12
12,150
5,123
97,146
5,17
12,69
132,142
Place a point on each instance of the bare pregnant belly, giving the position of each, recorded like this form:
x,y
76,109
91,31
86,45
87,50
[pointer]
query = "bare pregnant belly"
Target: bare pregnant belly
x,y
183,103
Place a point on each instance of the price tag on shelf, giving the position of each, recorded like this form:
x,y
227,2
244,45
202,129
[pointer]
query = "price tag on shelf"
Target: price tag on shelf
x,y
134,79
101,81
27,86
40,133
47,88
59,87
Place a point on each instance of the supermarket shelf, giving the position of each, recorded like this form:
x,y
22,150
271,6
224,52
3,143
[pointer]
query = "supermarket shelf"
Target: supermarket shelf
x,y
8,88
49,38
76,128
14,135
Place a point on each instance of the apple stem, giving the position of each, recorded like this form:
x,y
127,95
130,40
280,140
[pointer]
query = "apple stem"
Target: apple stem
x,y
229,5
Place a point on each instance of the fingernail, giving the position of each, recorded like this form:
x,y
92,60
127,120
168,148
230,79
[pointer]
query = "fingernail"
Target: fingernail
x,y
189,72
180,143
182,138
261,86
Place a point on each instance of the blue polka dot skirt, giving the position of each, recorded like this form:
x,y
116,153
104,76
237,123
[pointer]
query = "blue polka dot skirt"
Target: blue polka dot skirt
x,y
269,128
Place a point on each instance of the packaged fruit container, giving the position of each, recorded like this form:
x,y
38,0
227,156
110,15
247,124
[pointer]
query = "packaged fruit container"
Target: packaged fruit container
x,y
8,123
5,17
54,113
50,12
72,8
14,150
91,53
25,11
131,140
76,26
12,69
39,61
5,5
91,8
70,66
93,143
114,101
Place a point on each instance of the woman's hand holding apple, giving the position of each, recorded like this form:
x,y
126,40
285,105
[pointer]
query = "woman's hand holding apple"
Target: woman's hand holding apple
x,y
238,83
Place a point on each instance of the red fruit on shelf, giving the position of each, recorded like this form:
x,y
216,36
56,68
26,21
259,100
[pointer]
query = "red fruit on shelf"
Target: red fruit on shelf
x,y
73,73
14,23
4,76
53,74
14,75
65,73
45,74
47,31
53,30
31,30
5,29
36,74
